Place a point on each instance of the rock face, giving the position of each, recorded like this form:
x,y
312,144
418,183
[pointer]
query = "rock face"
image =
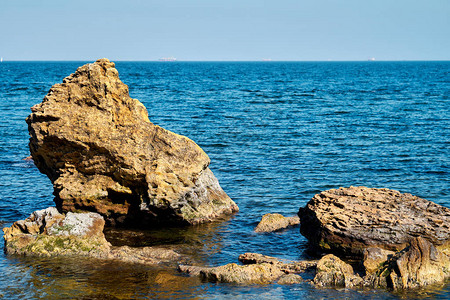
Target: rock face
x,y
102,154
348,220
48,233
274,222
417,265
333,272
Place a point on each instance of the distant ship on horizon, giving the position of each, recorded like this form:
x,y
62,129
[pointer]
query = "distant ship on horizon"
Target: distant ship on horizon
x,y
168,59
371,59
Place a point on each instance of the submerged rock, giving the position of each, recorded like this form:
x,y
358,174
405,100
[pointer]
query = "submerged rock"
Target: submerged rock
x,y
348,220
102,154
262,273
257,269
274,222
287,266
49,233
290,279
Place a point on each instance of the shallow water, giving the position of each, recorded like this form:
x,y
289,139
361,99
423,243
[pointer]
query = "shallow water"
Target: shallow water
x,y
276,133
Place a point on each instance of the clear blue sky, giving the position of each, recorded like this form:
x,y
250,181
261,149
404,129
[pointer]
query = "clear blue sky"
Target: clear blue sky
x,y
225,30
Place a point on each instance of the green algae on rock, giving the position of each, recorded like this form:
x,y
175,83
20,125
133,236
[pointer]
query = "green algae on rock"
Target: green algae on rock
x,y
49,233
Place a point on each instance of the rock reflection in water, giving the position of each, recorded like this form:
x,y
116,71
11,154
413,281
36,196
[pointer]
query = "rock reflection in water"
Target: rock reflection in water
x,y
70,278
196,242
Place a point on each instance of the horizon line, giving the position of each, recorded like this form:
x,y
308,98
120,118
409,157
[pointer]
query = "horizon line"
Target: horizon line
x,y
235,60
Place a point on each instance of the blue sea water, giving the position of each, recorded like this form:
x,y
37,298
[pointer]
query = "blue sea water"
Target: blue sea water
x,y
276,132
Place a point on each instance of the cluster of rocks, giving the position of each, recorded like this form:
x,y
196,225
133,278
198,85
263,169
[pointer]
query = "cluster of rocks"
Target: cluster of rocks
x,y
109,164
396,241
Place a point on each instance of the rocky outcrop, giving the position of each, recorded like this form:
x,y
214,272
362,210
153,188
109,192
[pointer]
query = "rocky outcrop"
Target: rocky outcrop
x,y
288,267
102,154
256,269
274,222
249,274
417,265
333,272
348,220
262,273
48,233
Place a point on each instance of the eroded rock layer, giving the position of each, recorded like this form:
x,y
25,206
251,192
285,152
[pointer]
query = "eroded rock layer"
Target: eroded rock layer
x,y
348,220
102,154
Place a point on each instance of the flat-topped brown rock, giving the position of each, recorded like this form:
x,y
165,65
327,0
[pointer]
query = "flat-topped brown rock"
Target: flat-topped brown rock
x,y
102,154
348,220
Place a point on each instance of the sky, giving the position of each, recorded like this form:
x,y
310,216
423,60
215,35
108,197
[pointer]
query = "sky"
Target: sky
x,y
226,30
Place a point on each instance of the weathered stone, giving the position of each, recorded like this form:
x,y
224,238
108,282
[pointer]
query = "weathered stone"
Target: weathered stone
x,y
348,220
285,265
333,272
417,265
274,222
48,233
290,279
263,273
374,258
143,255
102,154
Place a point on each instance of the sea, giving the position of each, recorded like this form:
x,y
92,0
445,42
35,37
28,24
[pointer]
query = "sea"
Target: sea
x,y
277,134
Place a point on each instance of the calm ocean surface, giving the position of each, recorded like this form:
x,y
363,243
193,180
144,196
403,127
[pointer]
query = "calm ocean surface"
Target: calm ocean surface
x,y
277,133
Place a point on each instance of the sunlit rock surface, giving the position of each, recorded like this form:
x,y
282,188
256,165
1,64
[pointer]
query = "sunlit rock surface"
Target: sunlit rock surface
x,y
102,154
274,222
419,264
48,233
348,220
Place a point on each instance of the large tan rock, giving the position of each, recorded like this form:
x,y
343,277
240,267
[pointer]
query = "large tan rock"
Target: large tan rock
x,y
102,154
49,233
348,220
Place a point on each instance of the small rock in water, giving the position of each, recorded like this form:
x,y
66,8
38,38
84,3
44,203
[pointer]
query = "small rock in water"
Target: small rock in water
x,y
263,273
290,279
274,222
